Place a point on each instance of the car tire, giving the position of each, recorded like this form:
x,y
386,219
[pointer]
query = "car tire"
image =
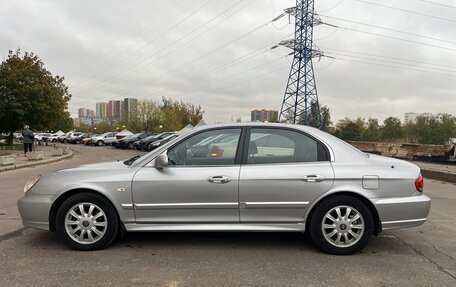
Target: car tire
x,y
341,225
94,228
130,146
100,143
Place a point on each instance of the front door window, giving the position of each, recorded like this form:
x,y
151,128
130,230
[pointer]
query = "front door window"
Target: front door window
x,y
216,147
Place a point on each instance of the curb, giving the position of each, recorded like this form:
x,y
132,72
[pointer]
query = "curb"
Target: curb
x,y
35,163
439,175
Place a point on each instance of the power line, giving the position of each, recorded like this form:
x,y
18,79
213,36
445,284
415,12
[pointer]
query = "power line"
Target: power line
x,y
407,11
142,64
388,57
197,59
326,37
387,29
397,38
395,67
327,66
182,66
132,39
439,4
233,76
392,62
149,43
236,61
333,7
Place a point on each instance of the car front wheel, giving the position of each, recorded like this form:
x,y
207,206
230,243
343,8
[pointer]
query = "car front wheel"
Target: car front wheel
x,y
86,222
100,143
341,225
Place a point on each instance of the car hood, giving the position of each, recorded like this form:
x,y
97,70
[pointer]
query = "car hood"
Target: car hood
x,y
110,165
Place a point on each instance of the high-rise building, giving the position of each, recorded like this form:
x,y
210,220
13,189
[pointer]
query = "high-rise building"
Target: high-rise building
x,y
110,110
98,107
81,112
85,113
264,115
117,110
129,105
101,110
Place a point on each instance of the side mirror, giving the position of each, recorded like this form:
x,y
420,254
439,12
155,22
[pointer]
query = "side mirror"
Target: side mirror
x,y
161,160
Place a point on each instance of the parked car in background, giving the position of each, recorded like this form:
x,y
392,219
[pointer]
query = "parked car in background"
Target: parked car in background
x,y
155,144
77,138
87,139
104,139
267,177
52,138
144,143
66,137
18,136
62,138
41,136
116,143
127,142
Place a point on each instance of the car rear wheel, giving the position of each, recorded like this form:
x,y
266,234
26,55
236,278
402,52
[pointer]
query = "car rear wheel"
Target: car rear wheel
x,y
341,225
86,222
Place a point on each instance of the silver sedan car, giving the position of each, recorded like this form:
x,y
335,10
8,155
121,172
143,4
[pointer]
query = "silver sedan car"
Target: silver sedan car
x,y
239,177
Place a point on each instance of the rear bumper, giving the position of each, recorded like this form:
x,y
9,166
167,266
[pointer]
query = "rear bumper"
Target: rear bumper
x,y
402,212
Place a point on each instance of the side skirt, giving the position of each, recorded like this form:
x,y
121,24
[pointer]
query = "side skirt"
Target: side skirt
x,y
247,227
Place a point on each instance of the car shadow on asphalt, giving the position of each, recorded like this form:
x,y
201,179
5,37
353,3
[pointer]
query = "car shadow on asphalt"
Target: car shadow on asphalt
x,y
386,242
282,240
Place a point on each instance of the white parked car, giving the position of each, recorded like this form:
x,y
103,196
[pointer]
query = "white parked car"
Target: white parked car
x,y
42,136
106,138
53,138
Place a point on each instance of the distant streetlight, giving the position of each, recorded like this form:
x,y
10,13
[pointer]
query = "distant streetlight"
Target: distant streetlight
x,y
160,126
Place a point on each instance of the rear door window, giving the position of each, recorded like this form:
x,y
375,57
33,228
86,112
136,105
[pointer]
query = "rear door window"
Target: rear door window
x,y
283,146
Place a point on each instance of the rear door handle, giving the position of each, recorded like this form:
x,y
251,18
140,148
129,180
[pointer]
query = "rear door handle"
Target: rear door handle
x,y
313,178
219,179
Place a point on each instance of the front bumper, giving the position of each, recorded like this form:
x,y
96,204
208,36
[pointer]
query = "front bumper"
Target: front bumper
x,y
402,212
34,210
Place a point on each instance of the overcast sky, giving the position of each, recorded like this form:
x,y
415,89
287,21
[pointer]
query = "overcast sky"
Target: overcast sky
x,y
217,53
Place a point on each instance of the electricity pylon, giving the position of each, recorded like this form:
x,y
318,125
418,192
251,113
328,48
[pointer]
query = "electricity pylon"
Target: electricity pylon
x,y
300,102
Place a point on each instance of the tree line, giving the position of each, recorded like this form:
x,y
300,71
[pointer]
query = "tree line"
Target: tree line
x,y
151,116
423,130
31,95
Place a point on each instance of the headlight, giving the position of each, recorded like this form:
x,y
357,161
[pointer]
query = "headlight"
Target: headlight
x,y
31,182
155,143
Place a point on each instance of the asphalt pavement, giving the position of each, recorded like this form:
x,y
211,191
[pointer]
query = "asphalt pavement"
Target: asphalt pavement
x,y
420,256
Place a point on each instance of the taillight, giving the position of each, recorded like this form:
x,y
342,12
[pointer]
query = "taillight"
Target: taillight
x,y
419,183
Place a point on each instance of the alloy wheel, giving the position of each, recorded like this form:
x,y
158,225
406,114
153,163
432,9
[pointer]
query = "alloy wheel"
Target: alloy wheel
x,y
86,223
343,226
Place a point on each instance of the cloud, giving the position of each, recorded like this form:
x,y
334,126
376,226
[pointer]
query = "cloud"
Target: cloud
x,y
192,51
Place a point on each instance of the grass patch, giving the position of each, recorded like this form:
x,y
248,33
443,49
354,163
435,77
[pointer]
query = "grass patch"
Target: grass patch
x,y
4,147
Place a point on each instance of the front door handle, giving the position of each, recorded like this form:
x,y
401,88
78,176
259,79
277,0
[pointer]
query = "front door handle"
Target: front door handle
x,y
219,179
313,178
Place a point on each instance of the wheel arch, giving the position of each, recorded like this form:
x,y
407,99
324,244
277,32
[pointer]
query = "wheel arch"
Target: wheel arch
x,y
64,196
364,200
